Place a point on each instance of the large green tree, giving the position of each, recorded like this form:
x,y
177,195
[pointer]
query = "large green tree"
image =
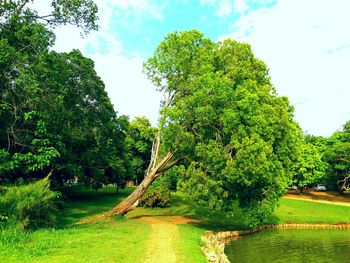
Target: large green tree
x,y
222,118
54,111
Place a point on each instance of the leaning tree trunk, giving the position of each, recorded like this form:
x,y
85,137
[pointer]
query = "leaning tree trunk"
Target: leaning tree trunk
x,y
154,170
131,201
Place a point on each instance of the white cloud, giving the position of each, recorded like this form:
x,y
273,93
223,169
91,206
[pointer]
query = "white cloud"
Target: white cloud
x,y
207,2
225,8
240,6
137,7
306,46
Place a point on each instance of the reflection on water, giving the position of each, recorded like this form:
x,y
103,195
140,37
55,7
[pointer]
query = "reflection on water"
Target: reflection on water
x,y
292,246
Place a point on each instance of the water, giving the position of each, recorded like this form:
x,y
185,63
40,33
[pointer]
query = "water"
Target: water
x,y
292,246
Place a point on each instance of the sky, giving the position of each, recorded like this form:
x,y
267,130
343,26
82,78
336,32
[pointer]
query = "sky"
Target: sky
x,y
305,44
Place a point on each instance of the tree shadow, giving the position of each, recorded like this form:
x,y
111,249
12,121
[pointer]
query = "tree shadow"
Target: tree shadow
x,y
84,202
200,217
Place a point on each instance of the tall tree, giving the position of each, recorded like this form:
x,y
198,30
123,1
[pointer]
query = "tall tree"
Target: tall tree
x,y
223,119
54,111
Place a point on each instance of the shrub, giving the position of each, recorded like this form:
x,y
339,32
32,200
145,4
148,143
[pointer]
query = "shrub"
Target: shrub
x,y
30,206
170,178
155,197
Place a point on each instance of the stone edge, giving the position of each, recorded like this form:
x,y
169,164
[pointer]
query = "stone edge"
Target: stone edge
x,y
214,242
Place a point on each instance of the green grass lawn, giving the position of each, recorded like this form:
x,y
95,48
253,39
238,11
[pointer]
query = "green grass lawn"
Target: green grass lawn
x,y
119,240
125,240
300,211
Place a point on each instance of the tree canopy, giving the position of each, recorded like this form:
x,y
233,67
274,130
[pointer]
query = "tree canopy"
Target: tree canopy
x,y
54,111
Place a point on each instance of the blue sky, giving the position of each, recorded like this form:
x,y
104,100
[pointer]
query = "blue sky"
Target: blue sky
x,y
305,44
150,31
142,31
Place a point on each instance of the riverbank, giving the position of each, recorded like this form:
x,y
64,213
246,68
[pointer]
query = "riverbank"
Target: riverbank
x,y
214,242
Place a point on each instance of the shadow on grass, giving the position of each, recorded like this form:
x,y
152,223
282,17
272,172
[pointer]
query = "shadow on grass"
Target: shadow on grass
x,y
203,218
83,202
86,202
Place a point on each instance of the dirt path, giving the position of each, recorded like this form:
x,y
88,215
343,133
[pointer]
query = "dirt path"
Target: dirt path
x,y
161,244
305,198
161,247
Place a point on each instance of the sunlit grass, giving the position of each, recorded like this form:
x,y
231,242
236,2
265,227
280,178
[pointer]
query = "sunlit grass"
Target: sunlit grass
x,y
118,240
300,211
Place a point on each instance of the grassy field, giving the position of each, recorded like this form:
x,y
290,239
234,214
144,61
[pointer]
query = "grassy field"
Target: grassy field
x,y
125,239
119,240
299,211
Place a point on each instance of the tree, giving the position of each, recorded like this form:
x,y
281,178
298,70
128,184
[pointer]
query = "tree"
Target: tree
x,y
224,121
81,13
54,111
338,157
140,136
310,167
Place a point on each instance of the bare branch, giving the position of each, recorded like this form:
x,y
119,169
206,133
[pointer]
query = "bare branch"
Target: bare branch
x,y
19,9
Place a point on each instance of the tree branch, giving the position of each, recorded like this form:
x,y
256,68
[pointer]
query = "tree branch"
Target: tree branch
x,y
170,165
19,9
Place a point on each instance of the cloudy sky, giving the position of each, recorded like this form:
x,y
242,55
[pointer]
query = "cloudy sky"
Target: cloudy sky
x,y
305,43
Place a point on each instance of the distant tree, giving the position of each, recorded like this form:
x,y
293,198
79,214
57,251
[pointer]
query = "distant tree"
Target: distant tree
x,y
310,168
224,121
139,139
338,157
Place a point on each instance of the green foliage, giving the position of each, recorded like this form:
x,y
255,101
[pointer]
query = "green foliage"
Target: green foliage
x,y
30,206
310,168
155,197
239,138
81,13
170,178
338,158
54,110
139,139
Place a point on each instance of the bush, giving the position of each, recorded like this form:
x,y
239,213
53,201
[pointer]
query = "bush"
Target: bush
x,y
155,197
170,178
30,206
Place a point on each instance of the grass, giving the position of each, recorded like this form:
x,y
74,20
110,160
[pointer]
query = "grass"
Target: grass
x,y
182,206
119,240
101,242
189,244
300,211
82,202
125,240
